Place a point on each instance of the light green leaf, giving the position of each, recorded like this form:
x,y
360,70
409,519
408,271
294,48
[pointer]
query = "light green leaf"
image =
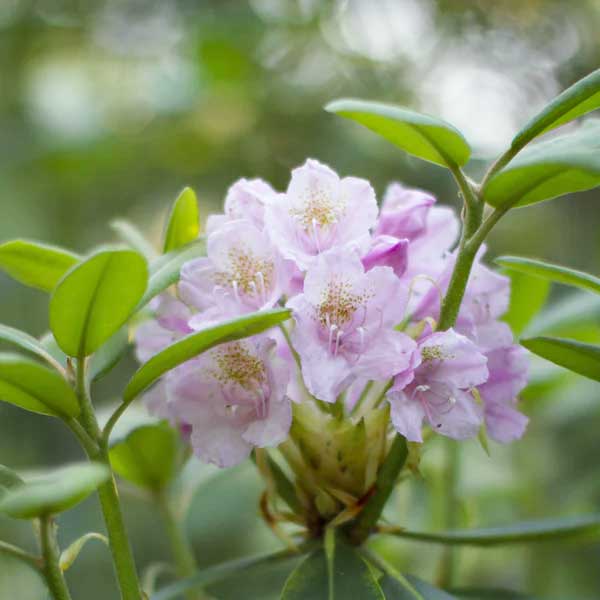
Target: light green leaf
x,y
70,554
54,492
542,530
109,354
134,238
196,343
566,164
32,386
29,343
36,265
527,297
421,135
578,357
95,299
147,456
551,272
164,271
183,225
581,98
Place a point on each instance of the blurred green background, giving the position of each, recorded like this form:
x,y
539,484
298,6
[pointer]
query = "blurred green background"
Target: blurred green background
x,y
108,108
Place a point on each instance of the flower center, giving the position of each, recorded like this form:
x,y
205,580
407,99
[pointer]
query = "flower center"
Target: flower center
x,y
237,364
318,208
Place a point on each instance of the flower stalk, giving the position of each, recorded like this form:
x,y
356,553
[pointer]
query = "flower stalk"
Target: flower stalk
x,y
51,553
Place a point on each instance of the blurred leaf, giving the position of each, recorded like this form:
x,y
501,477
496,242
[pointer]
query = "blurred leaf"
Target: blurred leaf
x,y
562,528
164,271
343,574
109,354
49,344
566,164
31,386
196,343
34,264
551,272
578,357
8,479
54,492
481,594
183,225
577,100
70,554
95,299
410,588
147,456
527,297
27,342
134,238
421,135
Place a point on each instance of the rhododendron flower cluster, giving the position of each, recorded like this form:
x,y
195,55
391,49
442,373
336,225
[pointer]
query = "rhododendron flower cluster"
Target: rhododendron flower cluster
x,y
364,286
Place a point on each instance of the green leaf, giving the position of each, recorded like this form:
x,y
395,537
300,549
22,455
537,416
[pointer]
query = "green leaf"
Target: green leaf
x,y
481,594
581,98
411,588
32,386
542,530
70,554
421,135
183,225
147,456
563,165
8,479
95,299
164,271
29,343
527,297
34,264
54,492
345,575
109,354
578,357
134,238
551,272
196,343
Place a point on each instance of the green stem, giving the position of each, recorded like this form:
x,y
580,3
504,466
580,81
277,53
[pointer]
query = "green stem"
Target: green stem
x,y
87,416
51,553
20,554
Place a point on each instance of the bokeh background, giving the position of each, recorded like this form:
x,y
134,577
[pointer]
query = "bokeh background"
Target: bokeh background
x,y
108,108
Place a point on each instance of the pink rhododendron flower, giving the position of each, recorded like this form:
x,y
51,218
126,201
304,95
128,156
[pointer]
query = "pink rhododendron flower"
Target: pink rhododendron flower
x,y
387,251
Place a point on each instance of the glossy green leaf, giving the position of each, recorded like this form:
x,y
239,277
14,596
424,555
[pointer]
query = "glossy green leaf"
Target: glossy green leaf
x,y
566,164
527,297
95,299
577,100
34,264
27,342
183,225
196,343
54,492
109,354
147,456
578,357
69,555
421,135
34,387
134,238
551,272
344,575
164,271
542,530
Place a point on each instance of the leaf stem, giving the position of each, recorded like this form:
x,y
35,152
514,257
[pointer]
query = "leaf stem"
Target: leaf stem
x,y
24,556
51,553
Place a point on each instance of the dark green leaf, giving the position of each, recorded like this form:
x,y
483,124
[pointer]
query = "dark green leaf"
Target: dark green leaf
x,y
34,264
565,528
183,225
29,343
551,272
411,588
196,343
421,135
147,456
578,357
527,297
54,492
164,271
134,238
581,98
95,299
481,594
563,165
310,579
32,386
109,354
